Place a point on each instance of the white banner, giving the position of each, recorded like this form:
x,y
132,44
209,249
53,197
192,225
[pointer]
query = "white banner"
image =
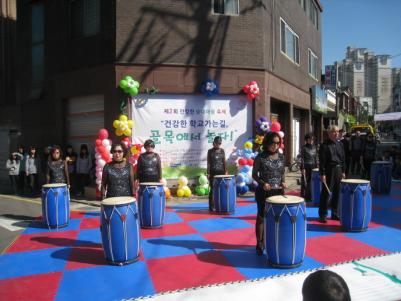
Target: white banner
x,y
183,127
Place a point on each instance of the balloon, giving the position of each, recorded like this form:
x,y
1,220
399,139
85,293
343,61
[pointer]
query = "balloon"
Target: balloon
x,y
281,134
203,180
180,192
116,123
242,161
245,168
123,84
200,190
102,162
99,168
108,148
280,151
101,149
164,182
130,124
103,134
119,133
99,174
207,190
187,193
250,162
248,145
182,181
133,91
259,139
97,156
167,192
105,142
127,132
240,178
282,145
98,181
98,142
276,126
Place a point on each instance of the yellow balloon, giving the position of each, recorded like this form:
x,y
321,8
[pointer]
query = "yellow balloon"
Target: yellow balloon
x,y
116,123
130,124
248,145
182,181
119,133
123,118
188,193
127,132
180,192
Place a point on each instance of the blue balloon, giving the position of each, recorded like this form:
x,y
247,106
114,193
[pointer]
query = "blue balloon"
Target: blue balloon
x,y
245,168
240,178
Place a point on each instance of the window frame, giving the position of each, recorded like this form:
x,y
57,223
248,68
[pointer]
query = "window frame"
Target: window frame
x,y
224,14
311,53
297,55
82,31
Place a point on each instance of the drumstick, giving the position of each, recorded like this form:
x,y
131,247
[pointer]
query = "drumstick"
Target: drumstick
x,y
328,190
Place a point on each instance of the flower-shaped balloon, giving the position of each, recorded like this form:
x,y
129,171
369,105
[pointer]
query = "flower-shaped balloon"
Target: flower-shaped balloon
x,y
129,85
136,149
262,125
123,126
259,139
252,90
209,88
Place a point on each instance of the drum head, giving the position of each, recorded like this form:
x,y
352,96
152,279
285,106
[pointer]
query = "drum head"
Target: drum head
x,y
315,169
381,162
151,184
223,176
355,181
54,185
284,199
121,200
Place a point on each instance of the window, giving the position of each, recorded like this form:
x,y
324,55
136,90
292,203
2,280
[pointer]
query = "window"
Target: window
x,y
225,7
313,15
37,46
313,65
289,42
84,18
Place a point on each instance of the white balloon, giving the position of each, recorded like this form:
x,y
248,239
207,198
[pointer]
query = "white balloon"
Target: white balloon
x,y
108,147
98,156
281,134
280,150
98,181
102,162
99,174
106,142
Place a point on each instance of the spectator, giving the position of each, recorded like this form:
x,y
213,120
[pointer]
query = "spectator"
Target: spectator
x,y
309,161
368,154
44,158
345,140
32,169
22,174
13,164
356,151
325,285
71,159
84,166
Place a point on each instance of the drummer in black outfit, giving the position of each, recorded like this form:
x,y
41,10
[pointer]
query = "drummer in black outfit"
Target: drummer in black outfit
x,y
268,171
149,165
309,160
332,171
56,168
118,175
216,165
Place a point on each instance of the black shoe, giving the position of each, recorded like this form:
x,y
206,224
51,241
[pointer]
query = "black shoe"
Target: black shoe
x,y
259,249
322,219
335,217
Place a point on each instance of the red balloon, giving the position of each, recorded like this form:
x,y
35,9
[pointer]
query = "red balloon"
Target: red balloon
x,y
282,145
275,127
103,134
101,149
250,162
246,89
242,161
98,142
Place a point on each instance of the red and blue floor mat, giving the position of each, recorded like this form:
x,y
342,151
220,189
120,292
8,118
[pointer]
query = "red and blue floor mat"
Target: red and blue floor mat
x,y
193,248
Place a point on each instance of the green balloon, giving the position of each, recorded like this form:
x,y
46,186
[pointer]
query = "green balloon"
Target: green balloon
x,y
203,180
133,91
136,84
202,191
128,78
123,84
207,190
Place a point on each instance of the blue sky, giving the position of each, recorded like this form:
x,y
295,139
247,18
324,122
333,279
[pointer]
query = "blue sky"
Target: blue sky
x,y
372,24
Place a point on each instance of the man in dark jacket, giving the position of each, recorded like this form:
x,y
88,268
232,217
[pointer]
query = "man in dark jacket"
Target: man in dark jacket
x,y
332,171
356,152
345,140
309,161
368,154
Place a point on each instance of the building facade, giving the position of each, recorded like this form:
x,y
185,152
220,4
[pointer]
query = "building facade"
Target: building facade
x,y
74,53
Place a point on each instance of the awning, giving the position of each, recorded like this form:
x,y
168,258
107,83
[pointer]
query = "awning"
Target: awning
x,y
388,116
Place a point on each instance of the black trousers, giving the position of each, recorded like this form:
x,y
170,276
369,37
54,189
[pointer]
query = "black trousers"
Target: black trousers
x,y
355,163
21,181
306,186
14,183
33,182
367,163
333,180
261,196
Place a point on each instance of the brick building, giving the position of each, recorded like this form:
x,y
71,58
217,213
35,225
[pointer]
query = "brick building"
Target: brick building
x,y
72,54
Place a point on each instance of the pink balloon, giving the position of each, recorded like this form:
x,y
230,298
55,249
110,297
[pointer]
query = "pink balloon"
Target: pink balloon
x,y
103,134
275,127
101,149
98,142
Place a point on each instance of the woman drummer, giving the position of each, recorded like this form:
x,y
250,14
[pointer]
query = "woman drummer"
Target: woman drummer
x,y
268,171
118,175
57,169
149,164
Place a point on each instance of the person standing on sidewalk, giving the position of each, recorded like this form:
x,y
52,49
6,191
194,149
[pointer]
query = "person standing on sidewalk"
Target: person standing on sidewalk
x,y
309,161
84,165
268,171
356,152
22,174
13,164
332,171
57,169
71,159
32,169
216,165
368,154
